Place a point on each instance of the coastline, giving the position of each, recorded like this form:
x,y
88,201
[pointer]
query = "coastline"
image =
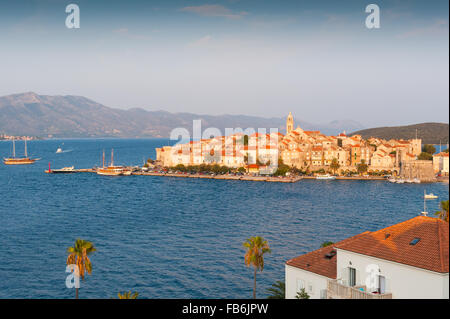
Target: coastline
x,y
293,179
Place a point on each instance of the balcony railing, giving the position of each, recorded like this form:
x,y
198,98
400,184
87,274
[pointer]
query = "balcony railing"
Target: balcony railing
x,y
336,290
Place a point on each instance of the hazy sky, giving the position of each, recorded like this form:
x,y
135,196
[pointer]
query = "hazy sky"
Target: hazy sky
x,y
314,58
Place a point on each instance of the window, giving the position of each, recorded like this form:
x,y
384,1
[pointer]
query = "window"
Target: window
x,y
352,277
300,285
381,284
323,294
310,288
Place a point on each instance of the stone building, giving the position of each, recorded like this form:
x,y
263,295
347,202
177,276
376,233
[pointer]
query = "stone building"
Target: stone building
x,y
422,170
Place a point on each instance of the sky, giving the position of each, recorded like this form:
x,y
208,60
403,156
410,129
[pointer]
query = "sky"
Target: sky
x,y
265,58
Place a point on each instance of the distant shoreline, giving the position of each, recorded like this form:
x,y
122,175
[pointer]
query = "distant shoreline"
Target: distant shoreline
x,y
143,138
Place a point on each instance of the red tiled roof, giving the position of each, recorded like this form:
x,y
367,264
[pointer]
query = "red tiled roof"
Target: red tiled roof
x,y
317,261
442,154
311,132
430,253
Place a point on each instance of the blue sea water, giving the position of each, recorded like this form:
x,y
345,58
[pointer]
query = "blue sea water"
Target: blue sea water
x,y
171,237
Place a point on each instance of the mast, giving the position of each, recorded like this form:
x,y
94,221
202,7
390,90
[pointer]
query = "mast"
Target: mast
x,y
424,202
103,159
112,157
14,148
26,155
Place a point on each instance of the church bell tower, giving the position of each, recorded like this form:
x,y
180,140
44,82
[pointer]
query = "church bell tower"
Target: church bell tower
x,y
289,123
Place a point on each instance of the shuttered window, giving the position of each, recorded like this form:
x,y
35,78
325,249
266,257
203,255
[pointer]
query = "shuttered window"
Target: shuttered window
x,y
352,277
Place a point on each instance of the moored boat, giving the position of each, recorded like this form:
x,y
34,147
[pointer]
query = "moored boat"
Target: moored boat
x,y
64,170
325,176
19,160
112,170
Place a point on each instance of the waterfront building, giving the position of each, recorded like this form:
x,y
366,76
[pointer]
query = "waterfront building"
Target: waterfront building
x,y
421,169
305,150
440,163
381,160
408,260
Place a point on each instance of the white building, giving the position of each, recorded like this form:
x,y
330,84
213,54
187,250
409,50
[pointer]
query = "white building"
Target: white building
x,y
440,163
408,260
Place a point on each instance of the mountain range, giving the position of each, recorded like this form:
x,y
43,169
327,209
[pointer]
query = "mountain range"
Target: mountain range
x,y
76,116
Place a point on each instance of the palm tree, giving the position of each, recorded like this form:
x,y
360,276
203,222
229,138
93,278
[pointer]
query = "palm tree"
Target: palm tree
x,y
443,213
278,290
334,165
362,167
78,255
256,248
128,295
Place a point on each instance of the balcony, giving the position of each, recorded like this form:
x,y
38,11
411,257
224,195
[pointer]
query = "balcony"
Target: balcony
x,y
336,290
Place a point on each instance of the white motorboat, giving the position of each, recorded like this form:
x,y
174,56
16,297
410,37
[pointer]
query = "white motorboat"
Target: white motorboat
x,y
429,196
59,150
64,170
325,176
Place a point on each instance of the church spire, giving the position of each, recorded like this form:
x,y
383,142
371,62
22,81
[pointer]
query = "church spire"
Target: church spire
x,y
289,123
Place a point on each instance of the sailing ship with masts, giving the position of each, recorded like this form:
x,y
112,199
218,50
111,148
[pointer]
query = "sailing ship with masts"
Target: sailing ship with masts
x,y
19,160
112,170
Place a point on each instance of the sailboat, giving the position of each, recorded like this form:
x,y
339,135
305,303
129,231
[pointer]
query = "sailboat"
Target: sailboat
x,y
112,170
425,198
19,160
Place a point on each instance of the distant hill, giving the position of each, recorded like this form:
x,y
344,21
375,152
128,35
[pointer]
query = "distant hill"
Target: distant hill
x,y
77,116
430,133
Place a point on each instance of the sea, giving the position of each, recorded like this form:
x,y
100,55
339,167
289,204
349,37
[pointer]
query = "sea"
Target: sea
x,y
171,237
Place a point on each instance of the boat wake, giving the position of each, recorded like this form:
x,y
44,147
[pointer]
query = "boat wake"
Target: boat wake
x,y
65,151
